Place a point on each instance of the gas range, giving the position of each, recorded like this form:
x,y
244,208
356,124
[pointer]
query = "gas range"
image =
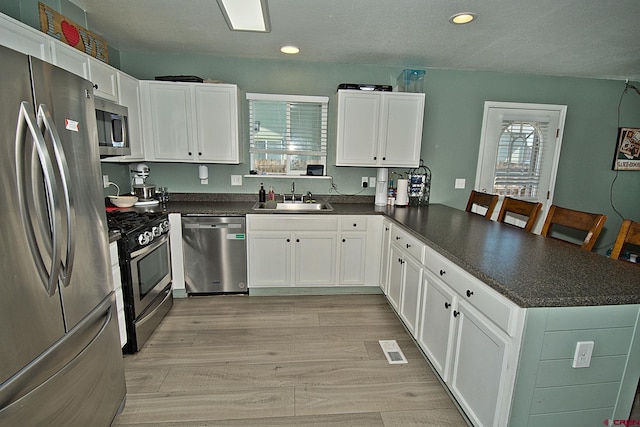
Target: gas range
x,y
138,229
145,269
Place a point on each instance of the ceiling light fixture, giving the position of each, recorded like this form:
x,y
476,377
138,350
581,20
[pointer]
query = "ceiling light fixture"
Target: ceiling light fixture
x,y
246,15
291,50
463,18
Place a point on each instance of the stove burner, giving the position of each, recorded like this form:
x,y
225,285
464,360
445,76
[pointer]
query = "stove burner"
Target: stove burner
x,y
127,221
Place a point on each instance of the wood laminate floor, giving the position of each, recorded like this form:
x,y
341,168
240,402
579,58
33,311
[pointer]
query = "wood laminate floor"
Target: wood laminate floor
x,y
281,361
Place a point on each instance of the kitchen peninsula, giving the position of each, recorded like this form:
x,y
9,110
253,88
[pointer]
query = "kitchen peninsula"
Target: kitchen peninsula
x,y
513,307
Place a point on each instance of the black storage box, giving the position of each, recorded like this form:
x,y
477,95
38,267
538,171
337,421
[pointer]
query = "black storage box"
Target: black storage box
x,y
360,86
187,79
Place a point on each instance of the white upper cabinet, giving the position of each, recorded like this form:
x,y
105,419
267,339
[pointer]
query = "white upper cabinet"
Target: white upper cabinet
x,y
70,59
129,96
379,128
191,122
23,38
104,79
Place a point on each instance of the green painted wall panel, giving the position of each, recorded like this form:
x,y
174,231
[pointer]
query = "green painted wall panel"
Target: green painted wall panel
x,y
606,316
607,342
553,373
574,398
592,418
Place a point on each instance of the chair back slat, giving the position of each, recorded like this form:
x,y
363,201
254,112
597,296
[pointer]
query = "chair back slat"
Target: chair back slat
x,y
531,210
488,201
590,223
629,234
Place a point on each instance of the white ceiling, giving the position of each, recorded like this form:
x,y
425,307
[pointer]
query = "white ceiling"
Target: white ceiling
x,y
583,38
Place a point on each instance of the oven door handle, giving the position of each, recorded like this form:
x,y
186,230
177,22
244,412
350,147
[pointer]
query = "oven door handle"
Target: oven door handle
x,y
151,247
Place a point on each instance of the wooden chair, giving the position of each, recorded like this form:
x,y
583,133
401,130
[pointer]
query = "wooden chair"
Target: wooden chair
x,y
584,221
521,208
485,200
629,233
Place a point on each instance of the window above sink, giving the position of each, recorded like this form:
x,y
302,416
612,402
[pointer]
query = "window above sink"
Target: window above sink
x,y
287,133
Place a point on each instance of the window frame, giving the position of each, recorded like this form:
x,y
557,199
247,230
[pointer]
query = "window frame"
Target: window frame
x,y
322,101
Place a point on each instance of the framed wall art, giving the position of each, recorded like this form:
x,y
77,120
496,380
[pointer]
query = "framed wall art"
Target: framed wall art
x,y
627,156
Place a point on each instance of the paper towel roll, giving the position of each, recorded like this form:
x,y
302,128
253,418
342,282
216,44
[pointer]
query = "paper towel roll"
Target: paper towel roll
x,y
402,193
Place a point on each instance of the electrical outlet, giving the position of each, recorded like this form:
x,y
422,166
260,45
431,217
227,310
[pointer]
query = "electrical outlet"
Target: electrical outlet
x,y
460,183
105,181
582,356
365,182
372,181
236,179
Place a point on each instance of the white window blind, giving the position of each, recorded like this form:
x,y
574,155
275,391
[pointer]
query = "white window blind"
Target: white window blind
x,y
287,132
519,159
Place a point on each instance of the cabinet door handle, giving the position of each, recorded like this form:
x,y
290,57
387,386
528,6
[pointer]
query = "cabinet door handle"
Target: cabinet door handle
x,y
386,229
355,225
375,158
189,153
469,293
447,305
408,246
442,272
288,240
384,158
297,240
455,313
398,237
199,153
344,240
95,86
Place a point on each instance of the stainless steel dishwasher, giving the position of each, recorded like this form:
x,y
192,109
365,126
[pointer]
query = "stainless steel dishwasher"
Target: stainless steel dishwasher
x,y
215,254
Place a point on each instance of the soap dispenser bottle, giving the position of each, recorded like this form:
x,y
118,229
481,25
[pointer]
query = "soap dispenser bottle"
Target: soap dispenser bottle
x,y
271,195
262,195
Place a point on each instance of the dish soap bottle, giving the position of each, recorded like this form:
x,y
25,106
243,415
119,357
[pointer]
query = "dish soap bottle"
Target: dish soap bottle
x,y
262,195
272,194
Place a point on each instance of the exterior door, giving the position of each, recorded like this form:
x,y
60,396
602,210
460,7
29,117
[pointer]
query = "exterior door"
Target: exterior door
x,y
519,152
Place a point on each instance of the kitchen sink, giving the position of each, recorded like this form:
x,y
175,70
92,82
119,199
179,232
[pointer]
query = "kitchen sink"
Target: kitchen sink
x,y
293,207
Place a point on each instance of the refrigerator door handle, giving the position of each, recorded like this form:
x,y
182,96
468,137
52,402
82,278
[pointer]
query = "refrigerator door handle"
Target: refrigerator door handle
x,y
27,122
38,371
45,122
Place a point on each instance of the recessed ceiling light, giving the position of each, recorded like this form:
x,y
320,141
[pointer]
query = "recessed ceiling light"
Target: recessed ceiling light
x,y
246,15
291,50
463,18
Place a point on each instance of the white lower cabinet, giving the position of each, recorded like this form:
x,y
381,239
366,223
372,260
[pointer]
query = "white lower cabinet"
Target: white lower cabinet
x,y
385,258
117,287
312,250
479,366
438,303
470,333
291,250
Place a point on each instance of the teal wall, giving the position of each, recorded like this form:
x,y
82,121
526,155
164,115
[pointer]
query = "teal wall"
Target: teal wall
x,y
453,121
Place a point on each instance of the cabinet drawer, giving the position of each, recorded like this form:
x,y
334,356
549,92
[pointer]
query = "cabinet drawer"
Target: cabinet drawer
x,y
408,243
493,305
292,223
353,223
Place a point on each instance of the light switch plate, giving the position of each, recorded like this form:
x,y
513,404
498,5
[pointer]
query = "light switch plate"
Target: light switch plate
x,y
582,356
460,183
236,179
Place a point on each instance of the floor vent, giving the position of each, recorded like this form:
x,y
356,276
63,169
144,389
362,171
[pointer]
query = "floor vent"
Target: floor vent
x,y
392,352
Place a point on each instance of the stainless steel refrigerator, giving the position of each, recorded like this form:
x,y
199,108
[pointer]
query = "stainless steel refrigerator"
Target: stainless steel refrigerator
x,y
60,357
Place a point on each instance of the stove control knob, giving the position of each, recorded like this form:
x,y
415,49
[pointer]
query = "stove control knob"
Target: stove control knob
x,y
156,230
166,225
145,238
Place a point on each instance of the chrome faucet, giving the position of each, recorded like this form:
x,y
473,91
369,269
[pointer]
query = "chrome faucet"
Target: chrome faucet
x,y
293,191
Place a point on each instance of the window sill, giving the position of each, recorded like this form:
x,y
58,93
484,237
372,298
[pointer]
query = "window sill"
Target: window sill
x,y
289,176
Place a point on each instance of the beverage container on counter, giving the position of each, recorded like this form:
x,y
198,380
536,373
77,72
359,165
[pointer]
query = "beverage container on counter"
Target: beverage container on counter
x,y
271,195
262,194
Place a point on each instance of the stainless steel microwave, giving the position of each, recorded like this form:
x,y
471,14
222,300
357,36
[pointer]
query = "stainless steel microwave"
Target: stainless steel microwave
x,y
113,128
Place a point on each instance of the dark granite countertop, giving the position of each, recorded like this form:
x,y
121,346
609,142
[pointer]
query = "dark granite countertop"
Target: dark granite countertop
x,y
530,270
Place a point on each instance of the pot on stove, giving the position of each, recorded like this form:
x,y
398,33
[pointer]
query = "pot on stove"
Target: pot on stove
x,y
144,191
